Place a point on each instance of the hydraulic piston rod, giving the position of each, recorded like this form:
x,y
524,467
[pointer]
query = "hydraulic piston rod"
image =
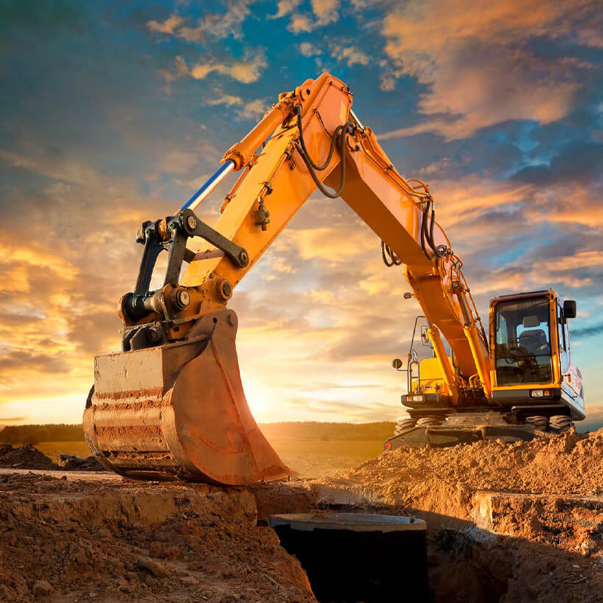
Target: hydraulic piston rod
x,y
210,185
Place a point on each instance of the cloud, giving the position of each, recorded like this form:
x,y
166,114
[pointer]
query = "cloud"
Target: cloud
x,y
8,420
361,4
218,25
301,23
168,26
246,70
15,360
587,332
250,109
577,162
522,205
332,244
254,109
477,66
351,55
225,99
580,271
325,12
37,160
308,50
284,7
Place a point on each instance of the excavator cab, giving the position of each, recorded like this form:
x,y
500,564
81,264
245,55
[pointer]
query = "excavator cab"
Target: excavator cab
x,y
533,374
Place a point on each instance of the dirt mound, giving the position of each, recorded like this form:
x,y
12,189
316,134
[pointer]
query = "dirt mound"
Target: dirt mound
x,y
24,457
64,541
74,463
446,478
508,522
29,457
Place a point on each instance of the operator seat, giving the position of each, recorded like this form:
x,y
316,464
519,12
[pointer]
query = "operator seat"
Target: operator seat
x,y
535,342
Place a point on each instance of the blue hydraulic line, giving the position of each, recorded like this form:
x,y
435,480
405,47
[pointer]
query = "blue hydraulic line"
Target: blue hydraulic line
x,y
210,185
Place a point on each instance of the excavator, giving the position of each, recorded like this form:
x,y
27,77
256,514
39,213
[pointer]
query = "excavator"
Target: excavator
x,y
171,405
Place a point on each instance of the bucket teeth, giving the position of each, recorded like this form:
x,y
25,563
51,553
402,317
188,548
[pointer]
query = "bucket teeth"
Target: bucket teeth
x,y
178,411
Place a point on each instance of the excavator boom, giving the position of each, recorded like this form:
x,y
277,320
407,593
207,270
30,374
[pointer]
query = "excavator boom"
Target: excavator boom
x,y
171,403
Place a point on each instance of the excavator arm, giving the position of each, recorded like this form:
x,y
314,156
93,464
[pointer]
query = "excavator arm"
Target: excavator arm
x,y
184,414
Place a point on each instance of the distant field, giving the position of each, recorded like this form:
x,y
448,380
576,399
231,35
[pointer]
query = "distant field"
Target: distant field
x,y
54,449
310,449
308,458
319,459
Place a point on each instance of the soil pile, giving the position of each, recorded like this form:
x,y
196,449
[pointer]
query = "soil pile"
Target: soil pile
x,y
29,457
67,541
24,457
509,523
74,463
446,478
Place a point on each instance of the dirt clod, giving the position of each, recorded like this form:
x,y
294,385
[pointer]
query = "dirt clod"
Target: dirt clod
x,y
41,588
24,457
152,566
74,463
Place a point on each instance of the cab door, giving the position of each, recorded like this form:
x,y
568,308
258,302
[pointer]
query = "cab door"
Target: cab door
x,y
570,376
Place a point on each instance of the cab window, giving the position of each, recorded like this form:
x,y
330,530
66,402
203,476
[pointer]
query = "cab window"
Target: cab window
x,y
523,342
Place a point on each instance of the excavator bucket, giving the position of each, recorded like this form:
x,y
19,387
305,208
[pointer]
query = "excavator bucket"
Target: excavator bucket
x,y
178,411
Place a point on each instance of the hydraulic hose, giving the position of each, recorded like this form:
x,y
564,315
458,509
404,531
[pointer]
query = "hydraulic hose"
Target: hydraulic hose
x,y
427,230
338,136
390,258
334,138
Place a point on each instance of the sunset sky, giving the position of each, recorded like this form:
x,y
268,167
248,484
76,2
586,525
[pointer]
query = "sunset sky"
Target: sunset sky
x,y
113,112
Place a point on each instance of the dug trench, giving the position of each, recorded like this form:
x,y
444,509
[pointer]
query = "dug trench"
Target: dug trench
x,y
506,523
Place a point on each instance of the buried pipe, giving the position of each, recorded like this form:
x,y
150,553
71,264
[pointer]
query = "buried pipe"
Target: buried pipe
x,y
353,557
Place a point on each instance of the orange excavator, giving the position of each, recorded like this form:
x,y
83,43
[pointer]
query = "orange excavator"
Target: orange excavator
x,y
171,404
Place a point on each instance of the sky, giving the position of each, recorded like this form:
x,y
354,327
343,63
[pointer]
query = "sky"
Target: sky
x,y
114,112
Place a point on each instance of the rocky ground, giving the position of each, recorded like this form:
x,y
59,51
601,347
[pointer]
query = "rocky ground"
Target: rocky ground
x,y
506,523
64,540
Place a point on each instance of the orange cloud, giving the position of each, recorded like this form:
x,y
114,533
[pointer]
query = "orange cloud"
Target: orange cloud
x,y
476,65
217,25
324,12
245,71
168,26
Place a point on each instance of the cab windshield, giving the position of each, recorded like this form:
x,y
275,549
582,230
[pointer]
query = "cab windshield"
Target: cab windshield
x,y
523,342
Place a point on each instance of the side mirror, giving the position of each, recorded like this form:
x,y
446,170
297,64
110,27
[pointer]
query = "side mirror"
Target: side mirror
x,y
397,363
569,309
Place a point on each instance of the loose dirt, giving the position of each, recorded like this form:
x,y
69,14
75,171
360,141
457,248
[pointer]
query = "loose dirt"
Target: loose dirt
x,y
444,480
29,457
24,457
65,540
68,462
507,523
